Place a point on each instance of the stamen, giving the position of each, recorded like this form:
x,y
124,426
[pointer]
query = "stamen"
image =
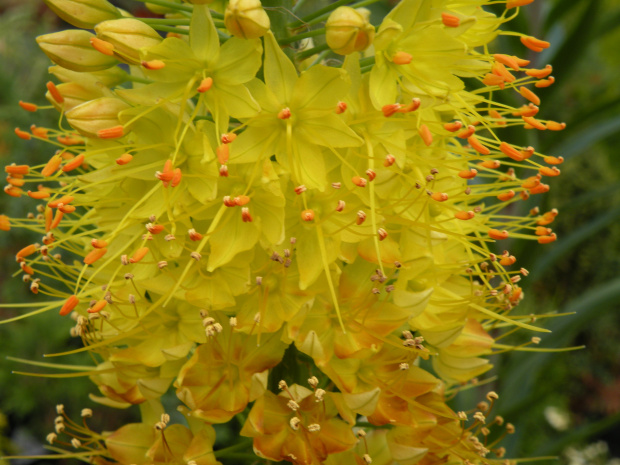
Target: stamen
x,y
53,90
28,106
450,20
528,94
111,133
426,135
402,58
497,234
74,163
124,159
285,113
94,255
153,64
102,46
307,215
205,85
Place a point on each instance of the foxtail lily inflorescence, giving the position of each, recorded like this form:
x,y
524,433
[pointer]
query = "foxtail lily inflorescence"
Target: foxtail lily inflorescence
x,y
281,232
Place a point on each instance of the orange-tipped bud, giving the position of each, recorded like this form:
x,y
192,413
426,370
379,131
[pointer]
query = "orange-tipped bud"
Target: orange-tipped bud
x,y
510,151
245,215
22,134
69,305
14,169
547,171
359,181
490,164
139,255
74,163
540,73
102,46
534,44
241,200
515,3
99,243
506,196
307,215
468,174
439,196
450,20
507,60
402,58
228,137
54,92
153,64
477,146
528,94
124,159
52,165
223,153
28,106
497,234
453,126
467,133
464,215
389,160
205,85
547,239
38,195
94,255
26,251
545,82
554,160
555,126
111,133
341,107
426,135
99,305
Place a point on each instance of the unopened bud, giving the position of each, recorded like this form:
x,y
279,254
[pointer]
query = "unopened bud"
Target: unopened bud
x,y
84,14
246,19
71,49
348,30
128,36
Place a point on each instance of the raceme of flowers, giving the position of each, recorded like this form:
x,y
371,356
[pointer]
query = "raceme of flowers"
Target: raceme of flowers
x,y
291,236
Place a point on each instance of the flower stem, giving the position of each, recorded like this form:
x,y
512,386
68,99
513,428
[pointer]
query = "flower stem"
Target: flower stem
x,y
308,53
305,35
317,14
171,5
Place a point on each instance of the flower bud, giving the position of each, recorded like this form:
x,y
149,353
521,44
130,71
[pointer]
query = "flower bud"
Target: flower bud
x,y
71,49
110,77
128,36
75,94
95,115
84,13
246,19
348,30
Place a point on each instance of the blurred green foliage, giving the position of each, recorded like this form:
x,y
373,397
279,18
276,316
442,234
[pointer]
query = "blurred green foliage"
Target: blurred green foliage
x,y
579,273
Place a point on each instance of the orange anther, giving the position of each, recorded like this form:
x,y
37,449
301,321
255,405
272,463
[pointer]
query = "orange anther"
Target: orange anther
x,y
124,159
223,153
497,234
534,44
245,215
507,60
542,231
13,191
382,233
241,200
477,146
67,140
439,196
54,92
154,228
39,132
500,70
102,46
515,3
139,255
540,189
467,133
66,208
205,85
545,82
52,166
389,110
450,20
228,137
508,260
17,169
505,196
65,199
25,268
528,94
341,107
491,79
527,110
555,126
94,255
412,106
177,174
548,217
153,64
73,164
464,215
547,239
359,181
5,223
194,236
57,219
510,151
540,73
491,164
361,217
28,106
38,195
229,201
22,134
402,58
495,115
48,215
371,174
99,305
468,174
285,113
69,305
16,181
453,126
554,160
99,243
26,251
111,133
426,135
547,171
531,182
534,123
389,160
307,215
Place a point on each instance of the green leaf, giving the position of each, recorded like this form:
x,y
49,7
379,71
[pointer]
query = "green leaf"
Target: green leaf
x,y
280,72
203,38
